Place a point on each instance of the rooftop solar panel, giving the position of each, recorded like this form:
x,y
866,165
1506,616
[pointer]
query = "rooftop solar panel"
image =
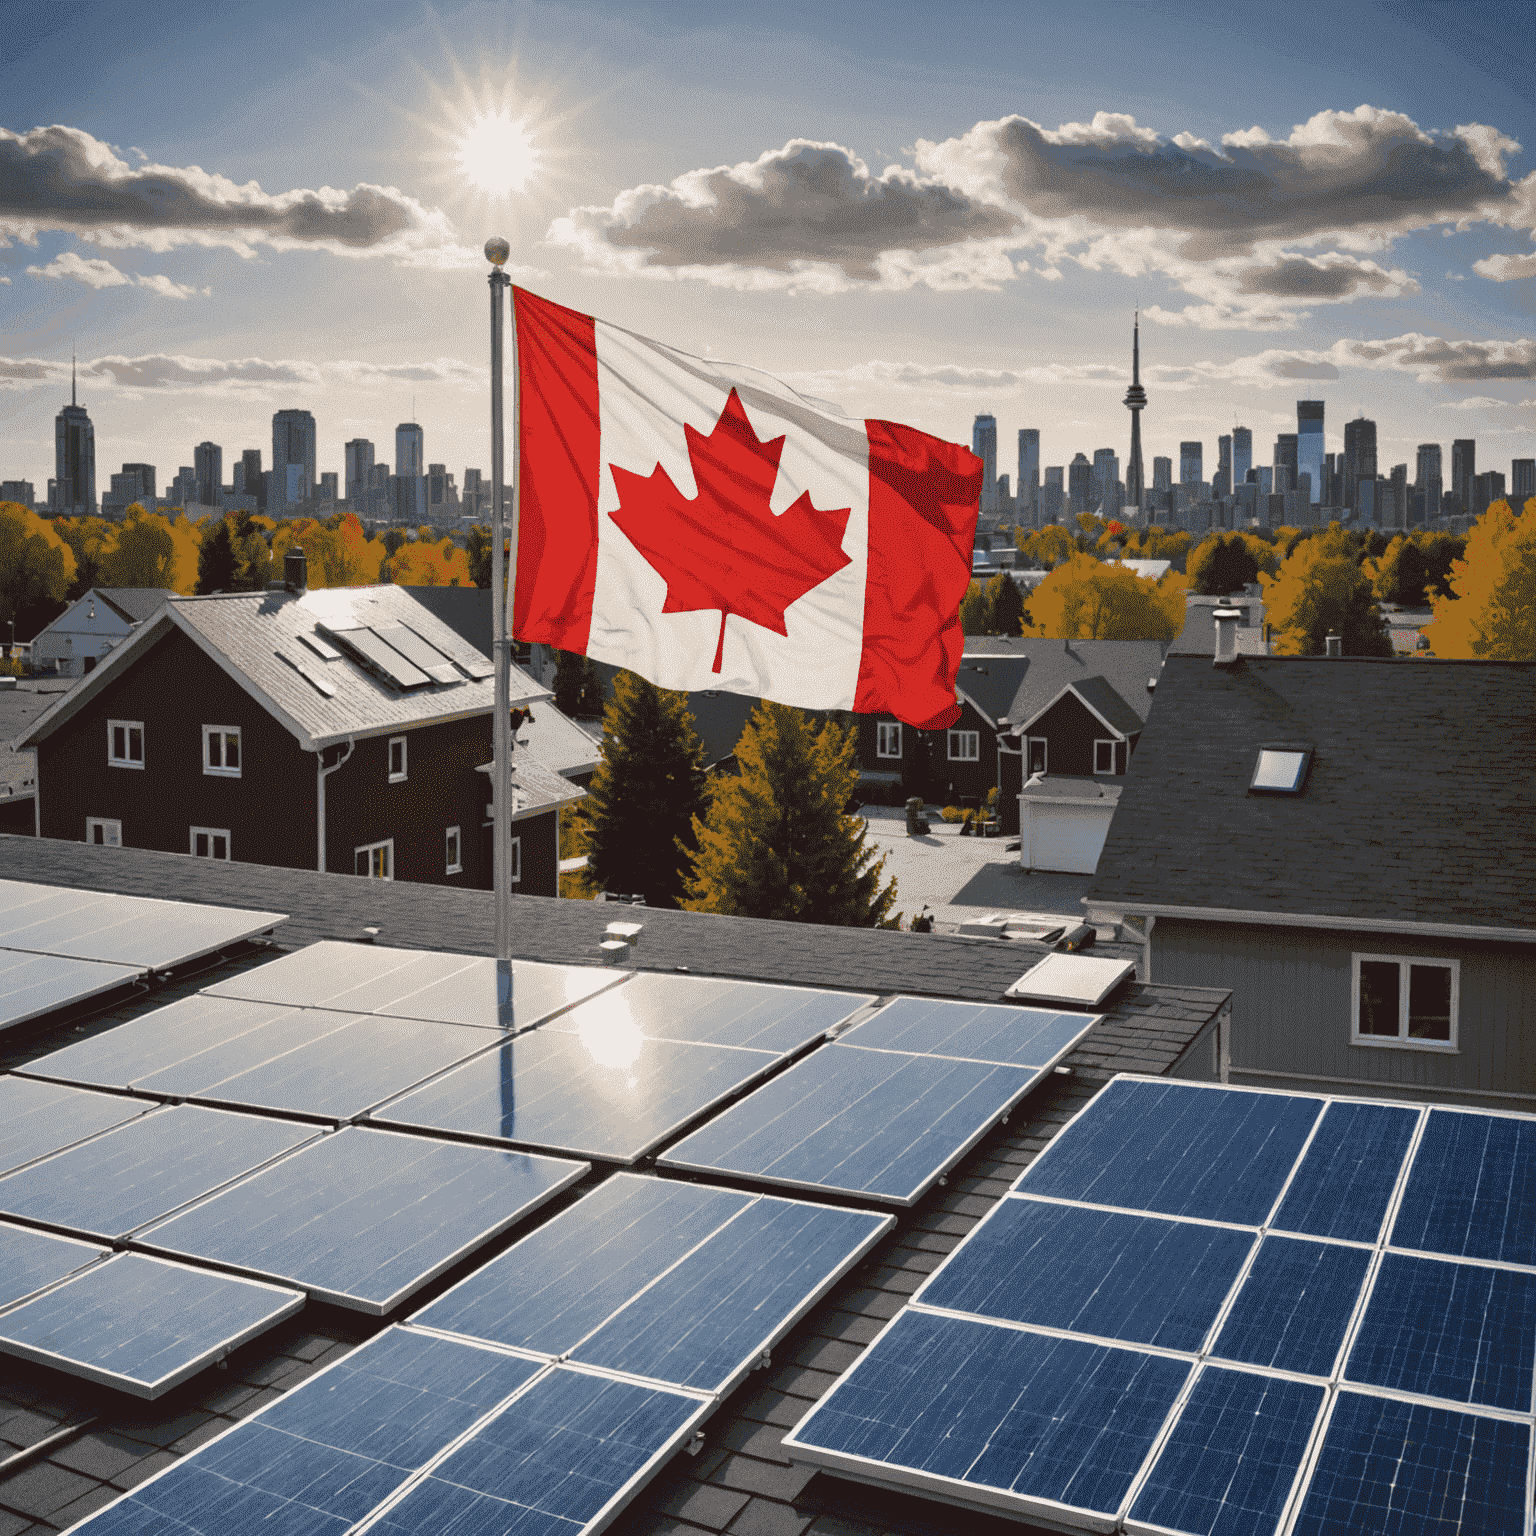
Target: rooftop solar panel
x,y
363,1218
32,985
141,1325
1022,1037
37,1119
876,1124
380,656
410,645
127,1177
31,1260
616,1096
1343,1184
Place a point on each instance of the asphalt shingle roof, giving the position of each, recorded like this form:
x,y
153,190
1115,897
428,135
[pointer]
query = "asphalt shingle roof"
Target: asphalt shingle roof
x,y
1049,665
1418,807
135,603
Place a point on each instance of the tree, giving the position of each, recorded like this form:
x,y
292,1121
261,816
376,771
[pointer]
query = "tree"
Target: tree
x,y
145,554
35,570
1491,614
1005,606
776,841
577,689
638,817
478,553
1400,575
1321,590
425,564
1227,562
339,556
86,537
1084,599
1047,548
1441,552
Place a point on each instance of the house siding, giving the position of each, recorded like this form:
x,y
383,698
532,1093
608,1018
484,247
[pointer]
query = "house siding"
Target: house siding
x,y
1291,1010
1071,729
540,854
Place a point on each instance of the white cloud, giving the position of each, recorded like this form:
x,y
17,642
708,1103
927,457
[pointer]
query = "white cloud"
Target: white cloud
x,y
97,272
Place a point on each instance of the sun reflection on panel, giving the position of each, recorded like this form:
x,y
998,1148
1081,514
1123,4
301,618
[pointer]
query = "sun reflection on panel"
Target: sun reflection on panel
x,y
609,1033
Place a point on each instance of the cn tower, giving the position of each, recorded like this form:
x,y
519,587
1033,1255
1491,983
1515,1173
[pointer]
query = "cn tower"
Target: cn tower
x,y
1135,403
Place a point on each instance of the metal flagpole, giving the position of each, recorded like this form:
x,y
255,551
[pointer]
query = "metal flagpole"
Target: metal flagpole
x,y
497,250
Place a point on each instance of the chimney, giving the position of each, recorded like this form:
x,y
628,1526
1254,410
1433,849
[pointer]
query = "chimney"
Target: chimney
x,y
1335,645
295,571
1226,619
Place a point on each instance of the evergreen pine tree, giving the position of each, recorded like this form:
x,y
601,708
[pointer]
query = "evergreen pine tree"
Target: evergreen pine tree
x,y
639,815
776,841
1007,605
216,560
577,689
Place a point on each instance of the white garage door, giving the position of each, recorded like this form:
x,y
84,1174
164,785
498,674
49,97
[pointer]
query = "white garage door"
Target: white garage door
x,y
1066,837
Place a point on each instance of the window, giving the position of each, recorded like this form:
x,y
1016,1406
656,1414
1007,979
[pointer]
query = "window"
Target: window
x,y
103,833
375,861
221,750
210,842
453,850
1408,1002
397,759
888,739
965,746
1281,768
515,860
1039,753
1103,756
125,743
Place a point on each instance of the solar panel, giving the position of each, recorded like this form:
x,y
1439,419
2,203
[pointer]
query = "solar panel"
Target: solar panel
x,y
310,673
322,1457
379,656
410,645
882,1125
130,1176
615,1096
320,645
363,1218
1022,1037
30,1260
1347,1177
32,985
40,1118
141,1325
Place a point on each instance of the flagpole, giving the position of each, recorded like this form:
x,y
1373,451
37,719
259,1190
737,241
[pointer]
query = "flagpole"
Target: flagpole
x,y
497,250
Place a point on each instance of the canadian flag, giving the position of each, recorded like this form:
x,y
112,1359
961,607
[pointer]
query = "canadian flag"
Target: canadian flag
x,y
703,525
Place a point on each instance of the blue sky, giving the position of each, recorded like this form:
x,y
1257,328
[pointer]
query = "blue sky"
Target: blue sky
x,y
917,212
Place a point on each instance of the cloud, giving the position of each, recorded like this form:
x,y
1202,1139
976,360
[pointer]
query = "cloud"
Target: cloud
x,y
1300,368
97,272
60,178
1489,403
1334,277
1505,269
1436,360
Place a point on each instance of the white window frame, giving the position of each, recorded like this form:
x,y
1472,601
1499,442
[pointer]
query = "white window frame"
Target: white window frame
x,y
400,777
1104,741
1029,755
387,848
888,738
193,833
515,860
127,727
453,850
222,735
1402,1040
970,739
111,832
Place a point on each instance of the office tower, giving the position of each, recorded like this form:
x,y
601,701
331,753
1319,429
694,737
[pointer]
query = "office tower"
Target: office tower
x,y
328,486
1486,489
1079,483
984,446
1359,459
1242,454
476,500
182,491
1522,482
1427,478
1028,491
358,461
410,449
1221,481
1463,472
1309,444
1104,484
1191,463
1162,473
255,483
1135,402
1333,480
410,486
74,458
22,492
1398,491
1286,467
144,492
208,462
1051,494
293,461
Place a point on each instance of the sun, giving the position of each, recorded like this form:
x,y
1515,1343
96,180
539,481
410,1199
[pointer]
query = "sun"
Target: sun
x,y
497,154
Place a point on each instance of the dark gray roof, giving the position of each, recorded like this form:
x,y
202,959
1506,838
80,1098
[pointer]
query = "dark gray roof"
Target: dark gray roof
x,y
1049,665
19,707
557,741
135,603
465,610
991,681
1418,808
536,787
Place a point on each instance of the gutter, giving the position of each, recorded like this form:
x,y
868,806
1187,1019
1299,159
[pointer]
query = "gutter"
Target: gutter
x,y
1319,920
320,775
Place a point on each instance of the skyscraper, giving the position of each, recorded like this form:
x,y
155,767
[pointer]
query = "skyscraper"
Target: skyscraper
x,y
1486,489
1428,479
1051,494
1191,463
984,446
1359,460
1135,402
1464,472
1285,462
208,460
254,482
358,462
74,458
1242,454
1162,473
1309,444
1028,491
293,460
144,492
1079,483
1221,481
1104,486
1522,482
410,474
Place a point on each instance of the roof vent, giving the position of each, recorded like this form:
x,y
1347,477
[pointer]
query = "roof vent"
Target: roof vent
x,y
1071,980
1226,619
1335,645
295,571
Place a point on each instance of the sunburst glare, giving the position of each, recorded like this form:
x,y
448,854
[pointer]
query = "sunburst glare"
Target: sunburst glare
x,y
497,154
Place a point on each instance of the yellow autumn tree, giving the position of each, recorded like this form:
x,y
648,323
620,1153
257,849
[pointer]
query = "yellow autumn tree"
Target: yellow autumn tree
x,y
1048,547
1320,590
1084,599
425,564
144,553
343,556
36,567
1491,615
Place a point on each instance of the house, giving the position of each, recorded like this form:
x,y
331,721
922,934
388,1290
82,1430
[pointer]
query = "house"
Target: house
x,y
91,626
1347,843
19,707
332,729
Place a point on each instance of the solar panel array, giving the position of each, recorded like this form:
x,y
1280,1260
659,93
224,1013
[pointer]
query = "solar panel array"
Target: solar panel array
x,y
1224,1312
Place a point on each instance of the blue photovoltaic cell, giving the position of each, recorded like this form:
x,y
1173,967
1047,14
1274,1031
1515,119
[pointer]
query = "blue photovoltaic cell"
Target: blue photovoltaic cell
x,y
142,1325
1036,1416
1418,1471
877,1124
707,1012
1023,1037
323,1456
39,1118
1138,1278
1457,1331
1294,1306
32,984
551,1462
613,1097
1347,1177
141,1171
244,1050
363,1218
1472,1189
30,1260
1228,1467
705,1321
1223,1154
549,1291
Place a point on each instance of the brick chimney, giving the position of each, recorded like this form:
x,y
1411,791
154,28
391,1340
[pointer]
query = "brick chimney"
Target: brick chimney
x,y
296,571
1226,619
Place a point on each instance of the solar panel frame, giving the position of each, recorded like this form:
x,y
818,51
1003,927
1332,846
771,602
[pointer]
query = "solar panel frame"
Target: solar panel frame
x,y
29,1112
32,1261
378,655
1055,1033
35,984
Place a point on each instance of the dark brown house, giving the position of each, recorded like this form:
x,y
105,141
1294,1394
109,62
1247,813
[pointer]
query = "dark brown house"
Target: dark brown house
x,y
337,730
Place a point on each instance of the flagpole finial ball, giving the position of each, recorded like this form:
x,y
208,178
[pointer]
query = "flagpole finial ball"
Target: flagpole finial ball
x,y
497,250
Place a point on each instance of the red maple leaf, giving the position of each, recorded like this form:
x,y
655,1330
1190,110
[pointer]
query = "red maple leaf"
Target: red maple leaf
x,y
726,548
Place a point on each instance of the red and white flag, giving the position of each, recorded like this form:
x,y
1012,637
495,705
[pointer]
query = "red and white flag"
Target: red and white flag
x,y
703,525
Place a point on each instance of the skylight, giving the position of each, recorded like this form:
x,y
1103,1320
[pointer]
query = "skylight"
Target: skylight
x,y
1281,769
